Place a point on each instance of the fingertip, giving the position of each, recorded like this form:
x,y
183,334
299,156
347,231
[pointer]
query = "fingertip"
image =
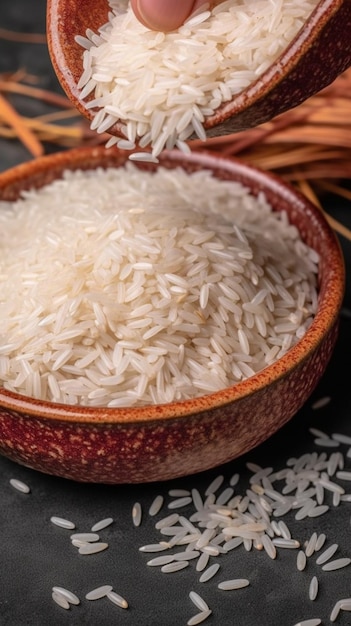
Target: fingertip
x,y
163,15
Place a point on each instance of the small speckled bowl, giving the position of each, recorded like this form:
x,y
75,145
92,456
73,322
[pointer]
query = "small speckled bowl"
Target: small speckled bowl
x,y
316,56
128,445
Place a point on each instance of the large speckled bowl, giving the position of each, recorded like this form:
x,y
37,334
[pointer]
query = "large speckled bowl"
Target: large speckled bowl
x,y
164,441
316,56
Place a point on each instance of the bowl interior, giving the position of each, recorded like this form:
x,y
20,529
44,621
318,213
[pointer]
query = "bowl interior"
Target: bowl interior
x,y
308,219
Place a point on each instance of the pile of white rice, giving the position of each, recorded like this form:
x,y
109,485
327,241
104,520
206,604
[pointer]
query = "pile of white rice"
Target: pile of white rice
x,y
162,86
121,287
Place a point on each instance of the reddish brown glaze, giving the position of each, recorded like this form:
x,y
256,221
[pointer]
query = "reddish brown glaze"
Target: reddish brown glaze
x,y
317,55
165,441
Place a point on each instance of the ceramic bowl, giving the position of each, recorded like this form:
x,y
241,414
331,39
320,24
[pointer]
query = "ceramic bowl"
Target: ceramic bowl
x,y
317,55
129,445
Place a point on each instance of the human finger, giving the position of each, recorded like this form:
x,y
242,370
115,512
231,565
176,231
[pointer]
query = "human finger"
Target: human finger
x,y
165,15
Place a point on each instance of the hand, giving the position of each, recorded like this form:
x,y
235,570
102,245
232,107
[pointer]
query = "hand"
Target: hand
x,y
166,15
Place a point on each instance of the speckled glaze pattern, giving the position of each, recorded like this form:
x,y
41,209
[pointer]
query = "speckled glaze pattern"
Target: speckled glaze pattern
x,y
130,445
318,54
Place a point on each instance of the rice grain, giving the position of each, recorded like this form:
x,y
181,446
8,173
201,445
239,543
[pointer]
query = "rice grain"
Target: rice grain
x,y
98,592
19,485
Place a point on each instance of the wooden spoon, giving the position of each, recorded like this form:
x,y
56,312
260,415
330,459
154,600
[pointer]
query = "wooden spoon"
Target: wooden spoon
x,y
317,55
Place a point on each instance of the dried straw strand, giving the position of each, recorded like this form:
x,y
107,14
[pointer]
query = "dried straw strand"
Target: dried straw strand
x,y
13,119
11,35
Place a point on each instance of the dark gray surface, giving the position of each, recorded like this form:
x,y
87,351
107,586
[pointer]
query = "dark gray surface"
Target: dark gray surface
x,y
35,555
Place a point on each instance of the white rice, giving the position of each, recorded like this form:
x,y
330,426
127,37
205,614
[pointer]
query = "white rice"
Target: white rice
x,y
71,597
98,592
102,524
236,583
117,599
337,564
62,522
162,86
301,561
198,601
327,554
310,622
174,567
209,573
199,618
60,600
92,548
85,537
137,514
156,505
313,588
19,485
102,278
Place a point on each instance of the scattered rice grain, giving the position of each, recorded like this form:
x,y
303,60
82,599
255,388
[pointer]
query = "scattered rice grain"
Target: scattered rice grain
x,y
19,485
98,592
117,599
102,524
337,564
62,522
199,618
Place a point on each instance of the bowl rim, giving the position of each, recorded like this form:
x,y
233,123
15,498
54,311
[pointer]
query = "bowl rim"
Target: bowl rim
x,y
281,66
59,51
323,322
